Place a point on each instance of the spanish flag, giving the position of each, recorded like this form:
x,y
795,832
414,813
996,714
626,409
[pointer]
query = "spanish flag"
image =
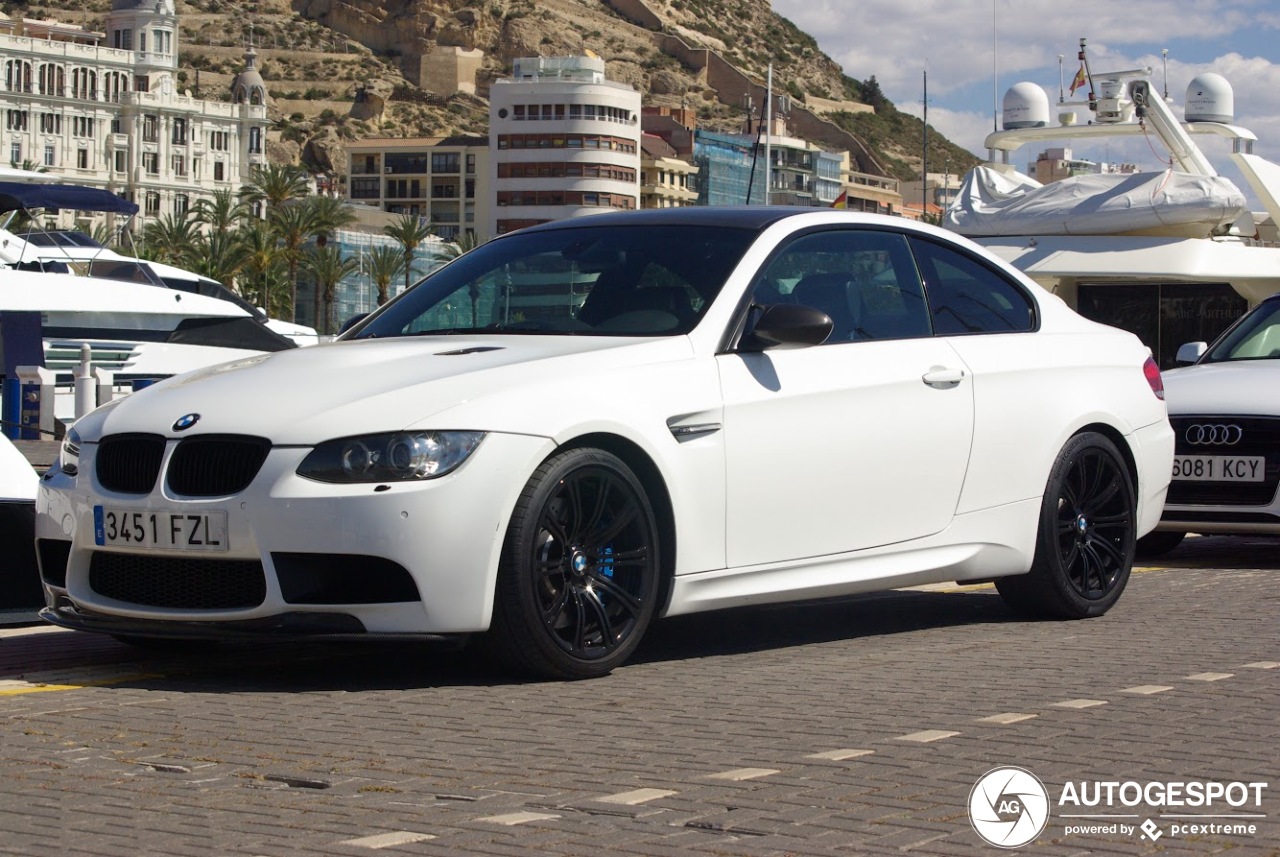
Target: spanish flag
x,y
1079,80
842,201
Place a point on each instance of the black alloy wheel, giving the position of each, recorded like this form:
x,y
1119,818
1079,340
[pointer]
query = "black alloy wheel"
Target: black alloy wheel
x,y
578,583
1085,545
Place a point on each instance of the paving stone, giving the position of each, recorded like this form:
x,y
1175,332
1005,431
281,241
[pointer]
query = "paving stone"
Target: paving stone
x,y
165,758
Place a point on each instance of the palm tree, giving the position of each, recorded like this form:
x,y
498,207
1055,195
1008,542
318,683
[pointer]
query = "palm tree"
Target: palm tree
x,y
329,213
328,267
274,185
410,230
263,262
172,238
293,226
464,243
29,165
221,212
384,266
220,256
103,234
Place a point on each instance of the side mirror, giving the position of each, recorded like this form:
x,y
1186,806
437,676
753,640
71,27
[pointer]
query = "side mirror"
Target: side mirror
x,y
1190,352
352,322
787,325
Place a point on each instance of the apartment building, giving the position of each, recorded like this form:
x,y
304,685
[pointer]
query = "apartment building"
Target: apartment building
x,y
564,142
107,110
443,179
666,180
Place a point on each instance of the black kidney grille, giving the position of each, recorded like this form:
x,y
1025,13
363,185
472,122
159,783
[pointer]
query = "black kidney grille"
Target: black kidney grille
x,y
1259,436
178,582
129,463
215,465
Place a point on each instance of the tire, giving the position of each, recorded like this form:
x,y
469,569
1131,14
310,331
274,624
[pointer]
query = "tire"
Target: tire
x,y
579,577
1158,543
1085,543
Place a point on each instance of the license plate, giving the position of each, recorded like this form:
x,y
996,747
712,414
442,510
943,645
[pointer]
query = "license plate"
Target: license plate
x,y
165,530
1219,468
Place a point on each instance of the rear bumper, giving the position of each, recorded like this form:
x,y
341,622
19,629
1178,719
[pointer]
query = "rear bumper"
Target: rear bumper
x,y
1152,448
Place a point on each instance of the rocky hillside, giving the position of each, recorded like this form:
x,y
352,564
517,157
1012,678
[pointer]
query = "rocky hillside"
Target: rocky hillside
x,y
342,69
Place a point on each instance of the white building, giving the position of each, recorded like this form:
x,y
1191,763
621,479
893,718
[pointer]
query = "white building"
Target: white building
x,y
563,142
105,109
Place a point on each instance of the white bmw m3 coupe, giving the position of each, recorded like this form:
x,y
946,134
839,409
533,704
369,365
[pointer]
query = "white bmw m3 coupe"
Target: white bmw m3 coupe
x,y
583,426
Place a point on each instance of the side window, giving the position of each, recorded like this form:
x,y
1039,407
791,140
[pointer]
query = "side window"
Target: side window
x,y
864,280
966,296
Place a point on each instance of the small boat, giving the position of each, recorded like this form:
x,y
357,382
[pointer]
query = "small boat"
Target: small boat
x,y
137,325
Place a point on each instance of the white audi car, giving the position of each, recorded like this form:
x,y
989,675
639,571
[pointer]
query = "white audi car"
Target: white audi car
x,y
1225,411
585,425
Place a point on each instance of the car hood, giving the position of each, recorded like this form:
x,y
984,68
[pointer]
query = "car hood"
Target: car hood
x,y
307,395
1236,387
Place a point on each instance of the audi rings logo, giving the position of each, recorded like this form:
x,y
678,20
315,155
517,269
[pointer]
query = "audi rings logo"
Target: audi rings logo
x,y
1009,807
1214,435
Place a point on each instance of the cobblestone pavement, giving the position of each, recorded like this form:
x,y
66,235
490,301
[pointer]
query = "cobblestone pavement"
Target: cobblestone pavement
x,y
857,726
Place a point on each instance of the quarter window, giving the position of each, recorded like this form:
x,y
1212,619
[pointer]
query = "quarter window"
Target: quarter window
x,y
966,296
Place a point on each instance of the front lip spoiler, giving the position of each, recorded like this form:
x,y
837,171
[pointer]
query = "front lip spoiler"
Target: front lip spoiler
x,y
299,625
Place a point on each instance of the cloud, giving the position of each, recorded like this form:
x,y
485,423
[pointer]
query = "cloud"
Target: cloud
x,y
954,40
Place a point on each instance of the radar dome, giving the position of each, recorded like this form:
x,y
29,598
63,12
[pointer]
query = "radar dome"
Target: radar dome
x,y
1025,105
1210,99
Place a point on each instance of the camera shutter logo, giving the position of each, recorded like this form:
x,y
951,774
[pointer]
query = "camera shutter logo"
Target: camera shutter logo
x,y
1009,807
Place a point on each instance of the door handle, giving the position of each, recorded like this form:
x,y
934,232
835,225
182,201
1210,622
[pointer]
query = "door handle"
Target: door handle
x,y
942,377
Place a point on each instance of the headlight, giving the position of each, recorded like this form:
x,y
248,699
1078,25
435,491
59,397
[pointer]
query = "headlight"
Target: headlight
x,y
390,457
69,457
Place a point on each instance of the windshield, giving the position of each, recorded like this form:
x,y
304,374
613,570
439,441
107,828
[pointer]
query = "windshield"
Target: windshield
x,y
598,281
59,238
1255,337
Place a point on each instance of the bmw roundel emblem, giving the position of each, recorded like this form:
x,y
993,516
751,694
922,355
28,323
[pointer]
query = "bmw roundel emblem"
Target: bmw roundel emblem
x,y
186,422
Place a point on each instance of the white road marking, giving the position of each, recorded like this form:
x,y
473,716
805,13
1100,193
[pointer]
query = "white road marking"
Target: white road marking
x,y
739,774
1080,703
1007,718
840,755
927,736
635,797
388,840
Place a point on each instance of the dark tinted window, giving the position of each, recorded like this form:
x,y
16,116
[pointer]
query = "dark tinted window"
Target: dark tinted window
x,y
865,281
966,296
1163,315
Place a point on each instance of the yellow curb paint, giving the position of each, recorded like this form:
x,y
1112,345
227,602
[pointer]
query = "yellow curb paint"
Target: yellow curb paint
x,y
48,688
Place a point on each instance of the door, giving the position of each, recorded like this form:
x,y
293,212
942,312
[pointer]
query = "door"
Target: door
x,y
859,442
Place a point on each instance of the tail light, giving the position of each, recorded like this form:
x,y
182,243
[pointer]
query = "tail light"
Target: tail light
x,y
1152,371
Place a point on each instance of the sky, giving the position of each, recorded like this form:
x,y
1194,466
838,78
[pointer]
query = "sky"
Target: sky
x,y
965,45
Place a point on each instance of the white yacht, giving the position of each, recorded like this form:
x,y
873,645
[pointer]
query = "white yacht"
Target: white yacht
x,y
137,326
1173,256
55,248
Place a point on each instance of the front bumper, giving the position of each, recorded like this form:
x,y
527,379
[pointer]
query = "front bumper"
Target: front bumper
x,y
445,535
324,626
1227,508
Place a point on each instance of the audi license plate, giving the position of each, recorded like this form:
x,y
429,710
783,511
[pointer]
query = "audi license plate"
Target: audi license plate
x,y
185,531
1219,468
